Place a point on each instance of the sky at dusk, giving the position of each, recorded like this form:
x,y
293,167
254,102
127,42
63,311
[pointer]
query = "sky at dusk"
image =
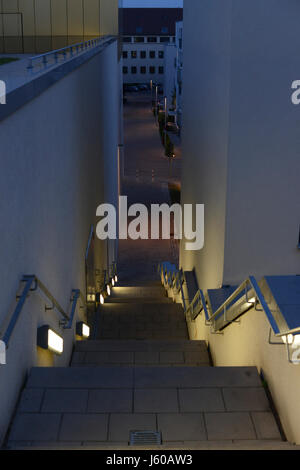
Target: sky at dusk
x,y
152,3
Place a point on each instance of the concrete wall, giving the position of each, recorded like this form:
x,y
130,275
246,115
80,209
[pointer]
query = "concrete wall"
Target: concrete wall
x,y
241,138
246,344
59,162
61,17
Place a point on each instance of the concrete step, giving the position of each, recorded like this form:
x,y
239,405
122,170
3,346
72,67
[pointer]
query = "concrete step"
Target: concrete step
x,y
137,353
138,292
159,321
147,300
100,406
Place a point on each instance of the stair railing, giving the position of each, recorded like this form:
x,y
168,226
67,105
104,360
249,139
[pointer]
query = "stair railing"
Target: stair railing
x,y
33,284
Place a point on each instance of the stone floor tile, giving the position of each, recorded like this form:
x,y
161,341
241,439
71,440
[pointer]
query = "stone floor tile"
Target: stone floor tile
x,y
223,426
110,401
155,401
181,426
245,399
65,401
81,427
201,399
35,427
265,425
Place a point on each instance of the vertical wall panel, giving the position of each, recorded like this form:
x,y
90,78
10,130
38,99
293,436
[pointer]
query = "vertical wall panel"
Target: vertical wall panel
x,y
59,17
75,17
109,16
26,7
10,6
43,17
91,18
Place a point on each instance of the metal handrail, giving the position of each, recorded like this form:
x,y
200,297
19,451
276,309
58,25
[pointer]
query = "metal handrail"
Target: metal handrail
x,y
252,283
79,47
33,284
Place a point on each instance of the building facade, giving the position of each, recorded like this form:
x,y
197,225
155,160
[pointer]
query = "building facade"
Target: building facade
x,y
146,32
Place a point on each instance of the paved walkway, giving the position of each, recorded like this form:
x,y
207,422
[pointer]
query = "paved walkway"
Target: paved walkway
x,y
147,172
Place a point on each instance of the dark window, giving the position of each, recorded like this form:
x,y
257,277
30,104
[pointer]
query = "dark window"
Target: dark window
x,y
133,54
143,54
125,69
139,39
143,70
164,39
139,30
161,54
161,70
127,39
133,70
152,70
125,54
152,54
164,30
152,39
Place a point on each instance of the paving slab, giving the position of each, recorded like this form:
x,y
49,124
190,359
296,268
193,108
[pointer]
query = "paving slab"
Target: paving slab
x,y
65,401
200,400
265,425
245,399
111,400
182,426
35,427
31,400
80,427
156,401
222,426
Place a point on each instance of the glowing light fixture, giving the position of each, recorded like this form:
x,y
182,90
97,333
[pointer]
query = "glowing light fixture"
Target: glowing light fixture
x,y
49,339
101,299
91,297
113,282
108,289
116,278
82,329
288,339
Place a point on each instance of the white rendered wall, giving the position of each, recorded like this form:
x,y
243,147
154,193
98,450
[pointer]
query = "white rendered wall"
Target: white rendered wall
x,y
241,138
59,162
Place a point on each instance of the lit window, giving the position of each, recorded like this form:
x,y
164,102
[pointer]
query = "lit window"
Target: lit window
x,y
164,30
133,54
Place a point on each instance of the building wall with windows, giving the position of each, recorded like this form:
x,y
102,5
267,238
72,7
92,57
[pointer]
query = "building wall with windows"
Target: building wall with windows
x,y
143,61
146,32
179,71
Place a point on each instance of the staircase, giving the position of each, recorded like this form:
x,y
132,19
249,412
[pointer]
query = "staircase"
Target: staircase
x,y
140,372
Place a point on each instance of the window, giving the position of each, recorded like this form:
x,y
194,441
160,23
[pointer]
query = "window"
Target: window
x,y
127,39
164,39
152,54
139,39
143,70
152,70
160,70
125,54
125,70
152,39
161,54
133,70
139,30
164,30
143,54
133,54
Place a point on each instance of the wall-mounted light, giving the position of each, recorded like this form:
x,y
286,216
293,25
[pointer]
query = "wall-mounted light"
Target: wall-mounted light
x,y
49,339
108,289
113,281
82,329
116,278
91,297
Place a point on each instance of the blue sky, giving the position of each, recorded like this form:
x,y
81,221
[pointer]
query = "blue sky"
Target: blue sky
x,y
152,3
